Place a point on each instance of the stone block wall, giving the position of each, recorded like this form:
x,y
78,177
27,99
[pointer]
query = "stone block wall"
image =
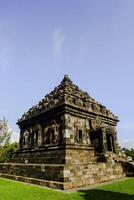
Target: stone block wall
x,y
78,175
79,154
37,171
51,156
66,176
80,168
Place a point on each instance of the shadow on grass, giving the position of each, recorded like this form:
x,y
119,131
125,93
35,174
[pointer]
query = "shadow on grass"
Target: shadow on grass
x,y
96,194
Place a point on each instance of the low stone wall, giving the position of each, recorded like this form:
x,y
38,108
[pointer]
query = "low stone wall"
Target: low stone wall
x,y
62,176
71,167
37,171
51,184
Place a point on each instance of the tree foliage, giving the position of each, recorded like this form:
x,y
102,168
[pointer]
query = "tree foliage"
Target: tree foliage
x,y
5,132
129,152
7,151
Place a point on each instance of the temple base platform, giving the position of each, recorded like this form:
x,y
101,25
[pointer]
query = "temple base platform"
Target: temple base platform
x,y
62,176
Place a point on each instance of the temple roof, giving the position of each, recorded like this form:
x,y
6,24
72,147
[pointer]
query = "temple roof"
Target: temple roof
x,y
69,94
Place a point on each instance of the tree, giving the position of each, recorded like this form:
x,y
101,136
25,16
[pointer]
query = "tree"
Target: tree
x,y
7,151
5,132
129,152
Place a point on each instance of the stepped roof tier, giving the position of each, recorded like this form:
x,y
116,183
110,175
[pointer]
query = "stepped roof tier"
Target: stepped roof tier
x,y
67,93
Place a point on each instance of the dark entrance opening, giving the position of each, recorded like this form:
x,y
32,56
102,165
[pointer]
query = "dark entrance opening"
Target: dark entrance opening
x,y
109,145
79,136
110,142
96,140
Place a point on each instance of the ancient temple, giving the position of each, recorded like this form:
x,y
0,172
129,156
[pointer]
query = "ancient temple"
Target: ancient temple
x,y
67,140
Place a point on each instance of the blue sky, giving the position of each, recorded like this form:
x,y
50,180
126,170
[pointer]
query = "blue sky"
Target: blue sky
x,y
91,40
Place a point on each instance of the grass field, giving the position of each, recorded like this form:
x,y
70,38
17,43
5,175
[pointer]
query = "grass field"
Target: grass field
x,y
123,190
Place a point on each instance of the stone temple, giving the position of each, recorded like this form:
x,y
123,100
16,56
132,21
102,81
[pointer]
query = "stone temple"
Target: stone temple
x,y
68,140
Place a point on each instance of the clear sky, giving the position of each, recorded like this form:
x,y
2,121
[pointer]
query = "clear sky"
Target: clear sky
x,y
90,40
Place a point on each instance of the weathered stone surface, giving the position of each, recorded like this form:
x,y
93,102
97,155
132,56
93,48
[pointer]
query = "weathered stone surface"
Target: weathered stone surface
x,y
67,140
67,93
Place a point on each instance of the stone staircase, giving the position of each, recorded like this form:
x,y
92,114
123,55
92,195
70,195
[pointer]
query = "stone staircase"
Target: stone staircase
x,y
129,169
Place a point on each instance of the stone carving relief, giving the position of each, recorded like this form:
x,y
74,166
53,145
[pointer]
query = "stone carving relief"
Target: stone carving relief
x,y
25,139
96,123
70,94
51,133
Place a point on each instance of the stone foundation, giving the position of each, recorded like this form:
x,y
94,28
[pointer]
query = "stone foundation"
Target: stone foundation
x,y
71,166
86,174
51,184
43,172
64,177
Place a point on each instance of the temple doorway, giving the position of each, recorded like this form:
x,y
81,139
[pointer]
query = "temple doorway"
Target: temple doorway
x,y
110,142
96,140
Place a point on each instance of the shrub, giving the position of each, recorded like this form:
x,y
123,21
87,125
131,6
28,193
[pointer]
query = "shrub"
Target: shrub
x,y
7,151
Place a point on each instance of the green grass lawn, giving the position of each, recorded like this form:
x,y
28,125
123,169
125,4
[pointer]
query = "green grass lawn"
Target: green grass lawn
x,y
123,190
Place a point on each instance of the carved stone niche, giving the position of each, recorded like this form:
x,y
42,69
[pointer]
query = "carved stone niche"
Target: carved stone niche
x,y
35,136
51,133
55,128
24,139
78,133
